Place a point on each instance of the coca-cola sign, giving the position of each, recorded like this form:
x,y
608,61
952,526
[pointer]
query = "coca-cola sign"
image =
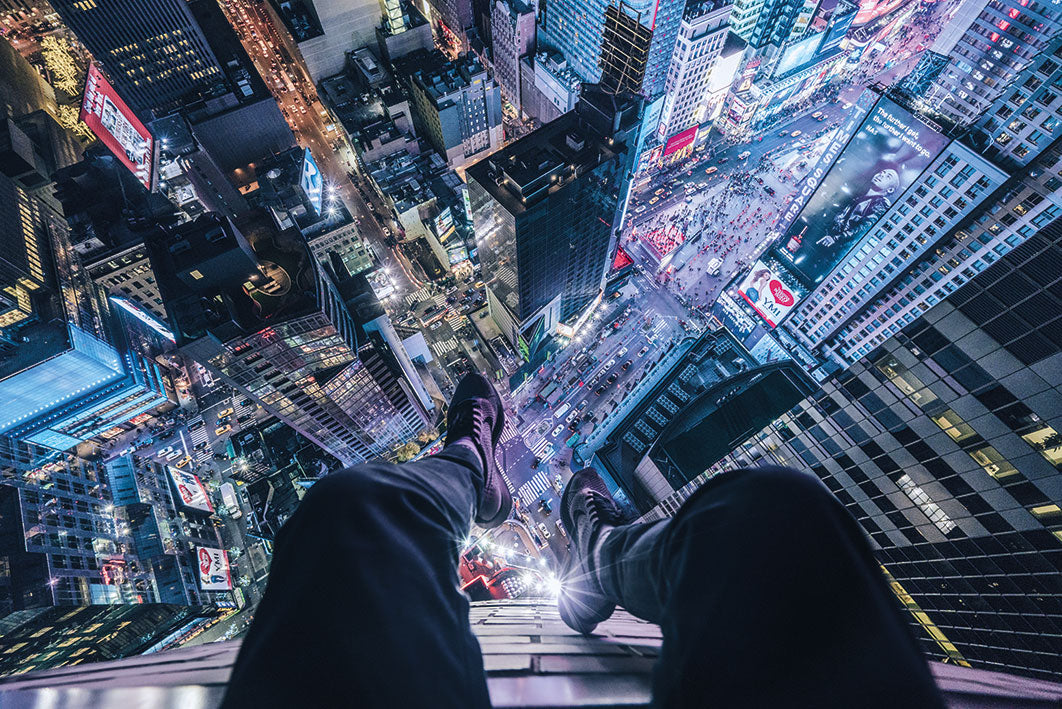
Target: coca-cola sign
x,y
770,290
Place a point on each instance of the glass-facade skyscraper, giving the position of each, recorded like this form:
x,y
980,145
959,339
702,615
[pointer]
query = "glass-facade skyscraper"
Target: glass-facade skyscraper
x,y
944,443
544,211
252,305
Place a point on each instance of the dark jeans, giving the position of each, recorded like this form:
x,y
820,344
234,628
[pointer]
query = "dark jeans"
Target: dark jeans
x,y
362,607
764,586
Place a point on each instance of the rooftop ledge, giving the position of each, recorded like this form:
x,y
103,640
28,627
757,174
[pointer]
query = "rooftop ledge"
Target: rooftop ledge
x,y
532,660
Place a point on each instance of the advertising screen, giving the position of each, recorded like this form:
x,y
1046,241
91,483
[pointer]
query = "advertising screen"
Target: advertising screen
x,y
117,126
680,141
214,571
887,153
143,317
190,490
312,182
771,291
797,54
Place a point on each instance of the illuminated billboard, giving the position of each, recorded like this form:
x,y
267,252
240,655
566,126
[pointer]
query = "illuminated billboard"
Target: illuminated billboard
x,y
129,307
311,181
215,574
888,152
798,54
770,290
117,126
681,140
190,490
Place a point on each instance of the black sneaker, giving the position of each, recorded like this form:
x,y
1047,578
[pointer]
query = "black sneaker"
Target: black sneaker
x,y
476,412
587,510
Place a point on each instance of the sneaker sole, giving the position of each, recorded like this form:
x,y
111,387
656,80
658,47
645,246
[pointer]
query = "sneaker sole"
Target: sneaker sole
x,y
587,617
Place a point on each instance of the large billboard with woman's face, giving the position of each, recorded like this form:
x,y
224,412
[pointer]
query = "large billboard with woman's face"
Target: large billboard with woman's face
x,y
885,156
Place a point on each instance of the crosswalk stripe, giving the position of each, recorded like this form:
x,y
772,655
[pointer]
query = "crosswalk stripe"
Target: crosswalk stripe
x,y
534,487
508,433
540,447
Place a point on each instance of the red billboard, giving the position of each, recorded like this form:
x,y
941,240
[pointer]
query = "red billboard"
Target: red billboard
x,y
117,126
681,140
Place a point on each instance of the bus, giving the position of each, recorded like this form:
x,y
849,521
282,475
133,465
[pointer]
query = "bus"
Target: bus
x,y
228,496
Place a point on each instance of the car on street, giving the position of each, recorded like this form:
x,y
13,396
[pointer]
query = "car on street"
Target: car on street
x,y
222,430
768,189
226,412
796,134
571,415
600,390
654,200
165,451
816,114
641,208
627,365
183,462
195,425
744,155
543,530
612,378
561,410
659,192
583,404
561,530
557,431
641,352
558,483
174,455
610,363
710,170
714,266
544,506
783,134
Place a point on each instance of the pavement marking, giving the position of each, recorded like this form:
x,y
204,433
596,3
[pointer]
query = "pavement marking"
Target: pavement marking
x,y
540,447
439,300
509,432
534,487
441,348
413,298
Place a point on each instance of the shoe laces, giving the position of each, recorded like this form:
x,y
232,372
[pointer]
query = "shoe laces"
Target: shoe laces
x,y
601,509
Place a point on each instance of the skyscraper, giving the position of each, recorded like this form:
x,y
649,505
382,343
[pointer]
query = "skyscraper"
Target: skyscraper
x,y
979,53
250,303
512,39
948,227
694,93
575,29
545,211
637,44
458,105
944,443
62,382
154,50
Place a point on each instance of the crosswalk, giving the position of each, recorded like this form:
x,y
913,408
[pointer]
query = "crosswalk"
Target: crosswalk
x,y
509,432
659,328
441,348
439,299
414,298
195,438
542,449
534,487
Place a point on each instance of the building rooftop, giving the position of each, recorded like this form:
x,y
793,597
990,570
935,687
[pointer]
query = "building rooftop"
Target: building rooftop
x,y
233,279
543,162
444,78
531,659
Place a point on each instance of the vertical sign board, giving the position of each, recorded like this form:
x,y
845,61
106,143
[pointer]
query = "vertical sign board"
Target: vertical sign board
x,y
214,571
885,157
190,490
117,127
312,182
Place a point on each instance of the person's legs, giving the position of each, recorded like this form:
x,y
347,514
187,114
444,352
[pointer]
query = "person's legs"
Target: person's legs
x,y
362,607
768,595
